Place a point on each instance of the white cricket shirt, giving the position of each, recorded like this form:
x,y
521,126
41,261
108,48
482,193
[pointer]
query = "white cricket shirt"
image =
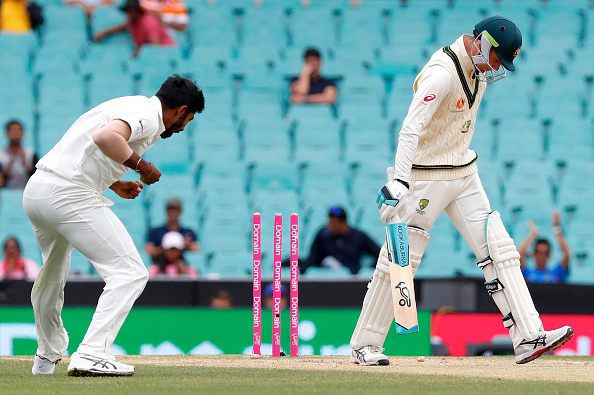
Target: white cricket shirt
x,y
77,158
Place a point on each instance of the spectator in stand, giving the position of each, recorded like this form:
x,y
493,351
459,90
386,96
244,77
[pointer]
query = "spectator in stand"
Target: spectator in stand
x,y
541,254
17,162
14,266
268,301
339,245
155,235
173,262
173,13
310,86
19,16
144,27
89,5
221,300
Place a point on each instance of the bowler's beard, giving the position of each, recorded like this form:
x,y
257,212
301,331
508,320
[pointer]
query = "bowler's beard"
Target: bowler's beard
x,y
176,127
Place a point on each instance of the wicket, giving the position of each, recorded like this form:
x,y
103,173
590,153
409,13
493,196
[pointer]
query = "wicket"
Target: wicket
x,y
277,284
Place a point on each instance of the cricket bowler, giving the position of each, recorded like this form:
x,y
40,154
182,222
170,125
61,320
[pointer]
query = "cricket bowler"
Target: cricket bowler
x,y
435,171
64,203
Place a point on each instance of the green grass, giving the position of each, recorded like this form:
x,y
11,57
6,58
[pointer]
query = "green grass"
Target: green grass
x,y
16,378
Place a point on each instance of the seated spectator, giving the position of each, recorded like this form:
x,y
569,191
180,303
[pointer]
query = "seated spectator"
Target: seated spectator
x,y
339,245
310,86
267,298
541,254
173,13
14,266
17,162
155,235
173,262
19,16
221,300
144,27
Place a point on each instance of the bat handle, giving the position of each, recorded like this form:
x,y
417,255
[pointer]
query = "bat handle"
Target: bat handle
x,y
395,219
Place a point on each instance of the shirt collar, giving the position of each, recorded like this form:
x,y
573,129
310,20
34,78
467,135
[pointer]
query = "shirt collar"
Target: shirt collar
x,y
463,57
159,108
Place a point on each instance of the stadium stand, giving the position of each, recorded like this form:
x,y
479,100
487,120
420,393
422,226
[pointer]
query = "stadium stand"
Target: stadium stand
x,y
250,151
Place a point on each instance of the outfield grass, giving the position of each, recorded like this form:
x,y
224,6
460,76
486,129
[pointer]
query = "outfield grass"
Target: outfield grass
x,y
16,378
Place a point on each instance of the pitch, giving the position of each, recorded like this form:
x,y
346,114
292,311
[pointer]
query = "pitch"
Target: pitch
x,y
181,374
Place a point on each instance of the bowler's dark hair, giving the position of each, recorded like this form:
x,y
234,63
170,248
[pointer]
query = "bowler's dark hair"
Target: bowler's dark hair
x,y
312,52
178,91
13,122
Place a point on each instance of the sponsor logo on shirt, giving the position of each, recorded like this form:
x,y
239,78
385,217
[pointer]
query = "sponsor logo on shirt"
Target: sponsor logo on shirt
x,y
428,98
459,106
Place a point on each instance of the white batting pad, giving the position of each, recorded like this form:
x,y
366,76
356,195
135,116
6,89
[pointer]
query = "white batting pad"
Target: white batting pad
x,y
506,260
377,313
417,244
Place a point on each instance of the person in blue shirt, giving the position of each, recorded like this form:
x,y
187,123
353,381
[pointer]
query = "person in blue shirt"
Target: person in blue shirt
x,y
310,86
338,244
541,272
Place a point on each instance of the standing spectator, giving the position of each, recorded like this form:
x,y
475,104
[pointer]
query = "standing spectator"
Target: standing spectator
x,y
310,86
17,162
14,266
173,13
541,254
155,235
339,245
173,262
144,27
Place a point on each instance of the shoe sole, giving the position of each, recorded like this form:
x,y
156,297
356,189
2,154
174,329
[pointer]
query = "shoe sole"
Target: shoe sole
x,y
381,362
552,347
95,373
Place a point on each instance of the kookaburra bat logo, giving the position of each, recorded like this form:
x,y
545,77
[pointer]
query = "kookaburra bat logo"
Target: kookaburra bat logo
x,y
405,293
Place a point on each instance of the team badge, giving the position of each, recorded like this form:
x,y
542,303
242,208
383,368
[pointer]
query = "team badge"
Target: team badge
x,y
516,52
422,204
460,104
466,126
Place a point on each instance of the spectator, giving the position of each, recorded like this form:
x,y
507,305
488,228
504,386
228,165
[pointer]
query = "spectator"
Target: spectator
x,y
221,300
541,254
338,244
19,16
268,301
17,162
173,262
173,13
155,235
89,5
144,27
14,266
310,86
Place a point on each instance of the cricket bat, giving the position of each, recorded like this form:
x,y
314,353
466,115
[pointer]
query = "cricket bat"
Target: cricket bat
x,y
403,289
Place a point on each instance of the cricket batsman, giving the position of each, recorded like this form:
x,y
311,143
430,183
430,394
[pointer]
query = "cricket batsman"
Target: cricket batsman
x,y
436,171
64,203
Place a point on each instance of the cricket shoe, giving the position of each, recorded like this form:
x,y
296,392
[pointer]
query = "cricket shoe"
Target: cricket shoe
x,y
368,356
43,365
89,365
546,341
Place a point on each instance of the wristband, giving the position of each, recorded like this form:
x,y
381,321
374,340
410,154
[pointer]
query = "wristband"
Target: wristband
x,y
137,163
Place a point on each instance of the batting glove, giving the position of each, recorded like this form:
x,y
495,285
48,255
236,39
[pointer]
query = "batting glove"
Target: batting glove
x,y
390,199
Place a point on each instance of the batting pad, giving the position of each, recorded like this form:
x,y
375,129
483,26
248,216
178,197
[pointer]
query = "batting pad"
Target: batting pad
x,y
377,312
417,244
506,259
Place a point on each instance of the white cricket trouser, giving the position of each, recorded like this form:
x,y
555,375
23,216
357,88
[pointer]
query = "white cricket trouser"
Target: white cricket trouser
x,y
464,201
66,215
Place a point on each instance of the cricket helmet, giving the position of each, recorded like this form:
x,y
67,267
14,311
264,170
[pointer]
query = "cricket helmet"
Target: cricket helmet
x,y
503,36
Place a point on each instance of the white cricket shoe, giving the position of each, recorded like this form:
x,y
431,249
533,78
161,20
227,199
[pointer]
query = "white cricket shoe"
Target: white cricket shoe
x,y
89,365
368,356
43,365
546,341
